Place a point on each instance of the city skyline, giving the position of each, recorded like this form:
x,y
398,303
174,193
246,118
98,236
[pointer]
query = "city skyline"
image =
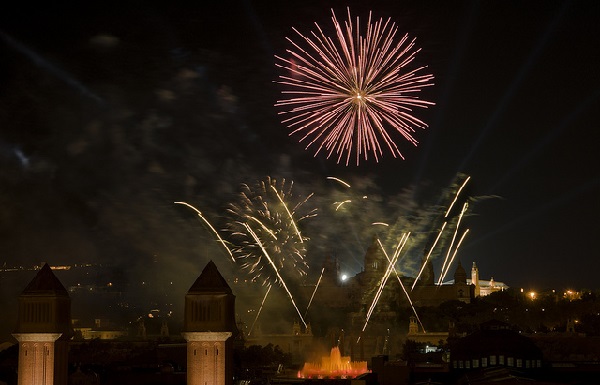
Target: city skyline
x,y
109,116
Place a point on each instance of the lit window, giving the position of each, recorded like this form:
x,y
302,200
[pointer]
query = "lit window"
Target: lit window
x,y
511,361
492,360
519,363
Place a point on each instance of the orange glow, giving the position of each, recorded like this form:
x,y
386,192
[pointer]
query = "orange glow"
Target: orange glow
x,y
333,366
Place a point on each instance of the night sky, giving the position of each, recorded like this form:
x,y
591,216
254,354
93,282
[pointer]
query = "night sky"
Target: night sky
x,y
110,113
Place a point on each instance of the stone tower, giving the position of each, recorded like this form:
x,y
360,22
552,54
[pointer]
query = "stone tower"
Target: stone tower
x,y
43,331
475,279
209,322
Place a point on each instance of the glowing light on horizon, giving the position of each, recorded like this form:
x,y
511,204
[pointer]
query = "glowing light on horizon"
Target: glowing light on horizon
x,y
355,93
210,226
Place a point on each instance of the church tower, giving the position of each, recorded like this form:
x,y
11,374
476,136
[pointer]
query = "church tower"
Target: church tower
x,y
475,279
43,331
209,322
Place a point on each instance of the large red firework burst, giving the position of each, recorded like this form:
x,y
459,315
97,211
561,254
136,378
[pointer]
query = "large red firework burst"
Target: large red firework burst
x,y
353,93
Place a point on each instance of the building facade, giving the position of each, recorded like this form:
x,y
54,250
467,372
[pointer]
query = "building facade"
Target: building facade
x,y
209,324
43,331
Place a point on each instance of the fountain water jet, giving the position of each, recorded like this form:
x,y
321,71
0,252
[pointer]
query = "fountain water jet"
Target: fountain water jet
x,y
333,366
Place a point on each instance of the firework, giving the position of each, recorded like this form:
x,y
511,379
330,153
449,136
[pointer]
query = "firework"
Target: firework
x,y
264,234
353,93
280,279
210,226
270,212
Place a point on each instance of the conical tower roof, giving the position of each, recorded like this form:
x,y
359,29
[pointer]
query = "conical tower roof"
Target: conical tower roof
x,y
45,282
210,280
44,306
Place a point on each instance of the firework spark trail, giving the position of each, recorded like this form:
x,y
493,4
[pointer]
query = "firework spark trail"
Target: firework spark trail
x,y
269,209
388,271
339,204
441,231
211,227
385,277
343,94
339,181
429,255
260,309
402,284
287,210
455,251
380,224
456,196
279,277
444,267
410,301
314,292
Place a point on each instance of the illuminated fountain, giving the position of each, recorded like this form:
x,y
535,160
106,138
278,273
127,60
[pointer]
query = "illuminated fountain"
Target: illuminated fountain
x,y
333,366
